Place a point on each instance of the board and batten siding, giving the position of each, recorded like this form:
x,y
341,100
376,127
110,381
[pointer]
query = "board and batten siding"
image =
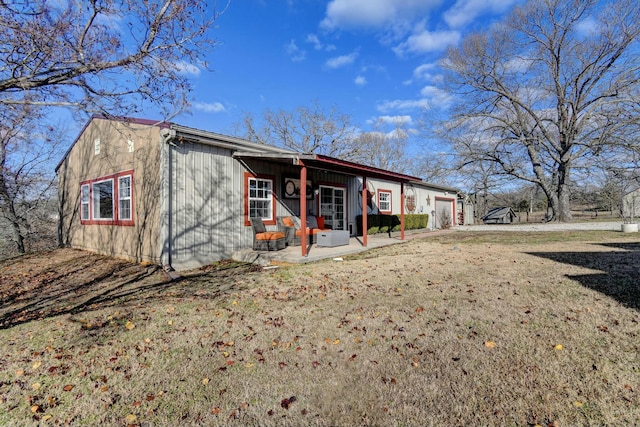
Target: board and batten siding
x,y
206,205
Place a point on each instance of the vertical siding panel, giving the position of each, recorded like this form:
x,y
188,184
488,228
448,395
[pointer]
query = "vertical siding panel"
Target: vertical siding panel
x,y
207,205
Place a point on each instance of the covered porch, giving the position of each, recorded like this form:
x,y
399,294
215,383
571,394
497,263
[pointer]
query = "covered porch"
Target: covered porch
x,y
303,164
293,255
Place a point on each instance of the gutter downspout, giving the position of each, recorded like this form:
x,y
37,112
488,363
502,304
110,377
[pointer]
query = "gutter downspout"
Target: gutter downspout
x,y
166,140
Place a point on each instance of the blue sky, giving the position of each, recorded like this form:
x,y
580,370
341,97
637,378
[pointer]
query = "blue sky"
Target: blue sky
x,y
373,59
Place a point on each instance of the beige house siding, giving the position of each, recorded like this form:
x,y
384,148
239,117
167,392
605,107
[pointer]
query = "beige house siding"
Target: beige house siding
x,y
123,147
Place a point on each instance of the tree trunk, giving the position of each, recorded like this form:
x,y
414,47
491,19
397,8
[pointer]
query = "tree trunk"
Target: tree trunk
x,y
17,237
563,214
16,230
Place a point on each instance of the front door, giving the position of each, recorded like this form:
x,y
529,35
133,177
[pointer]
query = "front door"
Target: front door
x,y
332,201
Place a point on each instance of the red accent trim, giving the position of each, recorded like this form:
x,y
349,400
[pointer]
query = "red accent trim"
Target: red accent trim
x,y
364,192
453,207
382,190
116,191
248,175
402,211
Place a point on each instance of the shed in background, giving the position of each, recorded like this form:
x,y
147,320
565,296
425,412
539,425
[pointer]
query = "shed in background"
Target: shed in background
x,y
500,215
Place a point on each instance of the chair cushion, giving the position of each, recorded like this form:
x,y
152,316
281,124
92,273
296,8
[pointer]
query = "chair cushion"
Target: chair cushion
x,y
312,222
320,222
310,231
288,222
270,235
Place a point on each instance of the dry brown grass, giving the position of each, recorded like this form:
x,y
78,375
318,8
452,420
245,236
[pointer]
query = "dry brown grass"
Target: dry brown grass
x,y
458,329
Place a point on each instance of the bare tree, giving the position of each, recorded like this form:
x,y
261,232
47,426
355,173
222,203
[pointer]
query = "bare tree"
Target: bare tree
x,y
26,183
307,129
95,56
549,90
110,56
434,167
384,150
312,129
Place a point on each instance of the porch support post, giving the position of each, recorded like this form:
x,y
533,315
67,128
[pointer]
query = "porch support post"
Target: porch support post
x,y
402,211
364,210
303,208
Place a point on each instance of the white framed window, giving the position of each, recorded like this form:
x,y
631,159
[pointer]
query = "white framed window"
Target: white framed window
x,y
384,201
130,146
85,201
96,146
260,198
102,199
124,198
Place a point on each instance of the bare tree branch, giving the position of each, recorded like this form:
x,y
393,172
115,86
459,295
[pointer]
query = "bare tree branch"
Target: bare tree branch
x,y
569,94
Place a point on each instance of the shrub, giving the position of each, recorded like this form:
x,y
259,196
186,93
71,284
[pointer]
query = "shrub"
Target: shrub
x,y
379,223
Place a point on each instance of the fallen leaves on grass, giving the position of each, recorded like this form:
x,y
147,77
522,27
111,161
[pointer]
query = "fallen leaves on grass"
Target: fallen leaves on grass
x,y
489,344
286,403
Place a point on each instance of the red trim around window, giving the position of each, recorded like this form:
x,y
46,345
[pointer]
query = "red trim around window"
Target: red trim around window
x,y
381,190
272,178
116,190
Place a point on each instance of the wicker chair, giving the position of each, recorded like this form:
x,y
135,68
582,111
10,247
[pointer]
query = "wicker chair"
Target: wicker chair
x,y
264,240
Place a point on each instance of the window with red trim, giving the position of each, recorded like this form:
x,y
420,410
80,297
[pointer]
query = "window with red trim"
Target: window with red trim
x,y
259,198
107,200
384,201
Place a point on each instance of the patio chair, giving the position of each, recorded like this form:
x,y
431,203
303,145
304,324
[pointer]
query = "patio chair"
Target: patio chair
x,y
290,225
264,240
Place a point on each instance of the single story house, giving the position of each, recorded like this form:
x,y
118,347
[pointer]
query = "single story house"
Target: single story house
x,y
500,215
181,197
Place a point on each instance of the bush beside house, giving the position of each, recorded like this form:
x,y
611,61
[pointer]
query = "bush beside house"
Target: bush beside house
x,y
381,223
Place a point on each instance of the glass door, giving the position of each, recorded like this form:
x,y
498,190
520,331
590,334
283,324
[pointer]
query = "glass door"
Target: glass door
x,y
332,202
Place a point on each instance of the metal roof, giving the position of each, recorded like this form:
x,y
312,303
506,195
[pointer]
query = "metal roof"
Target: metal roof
x,y
319,161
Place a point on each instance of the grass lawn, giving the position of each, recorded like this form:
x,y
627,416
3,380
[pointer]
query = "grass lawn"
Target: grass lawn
x,y
515,329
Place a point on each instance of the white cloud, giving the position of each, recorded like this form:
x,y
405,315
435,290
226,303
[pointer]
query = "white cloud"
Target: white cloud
x,y
431,98
396,120
209,107
436,96
518,65
465,11
425,41
186,68
313,39
295,53
340,61
425,73
403,104
318,45
360,81
376,14
587,26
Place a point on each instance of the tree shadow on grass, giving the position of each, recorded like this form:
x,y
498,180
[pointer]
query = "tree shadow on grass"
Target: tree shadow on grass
x,y
68,281
620,270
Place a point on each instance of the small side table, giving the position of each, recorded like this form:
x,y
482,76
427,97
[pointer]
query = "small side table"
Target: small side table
x,y
333,238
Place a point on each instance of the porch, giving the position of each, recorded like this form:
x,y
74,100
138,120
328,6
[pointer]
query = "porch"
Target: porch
x,y
292,254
